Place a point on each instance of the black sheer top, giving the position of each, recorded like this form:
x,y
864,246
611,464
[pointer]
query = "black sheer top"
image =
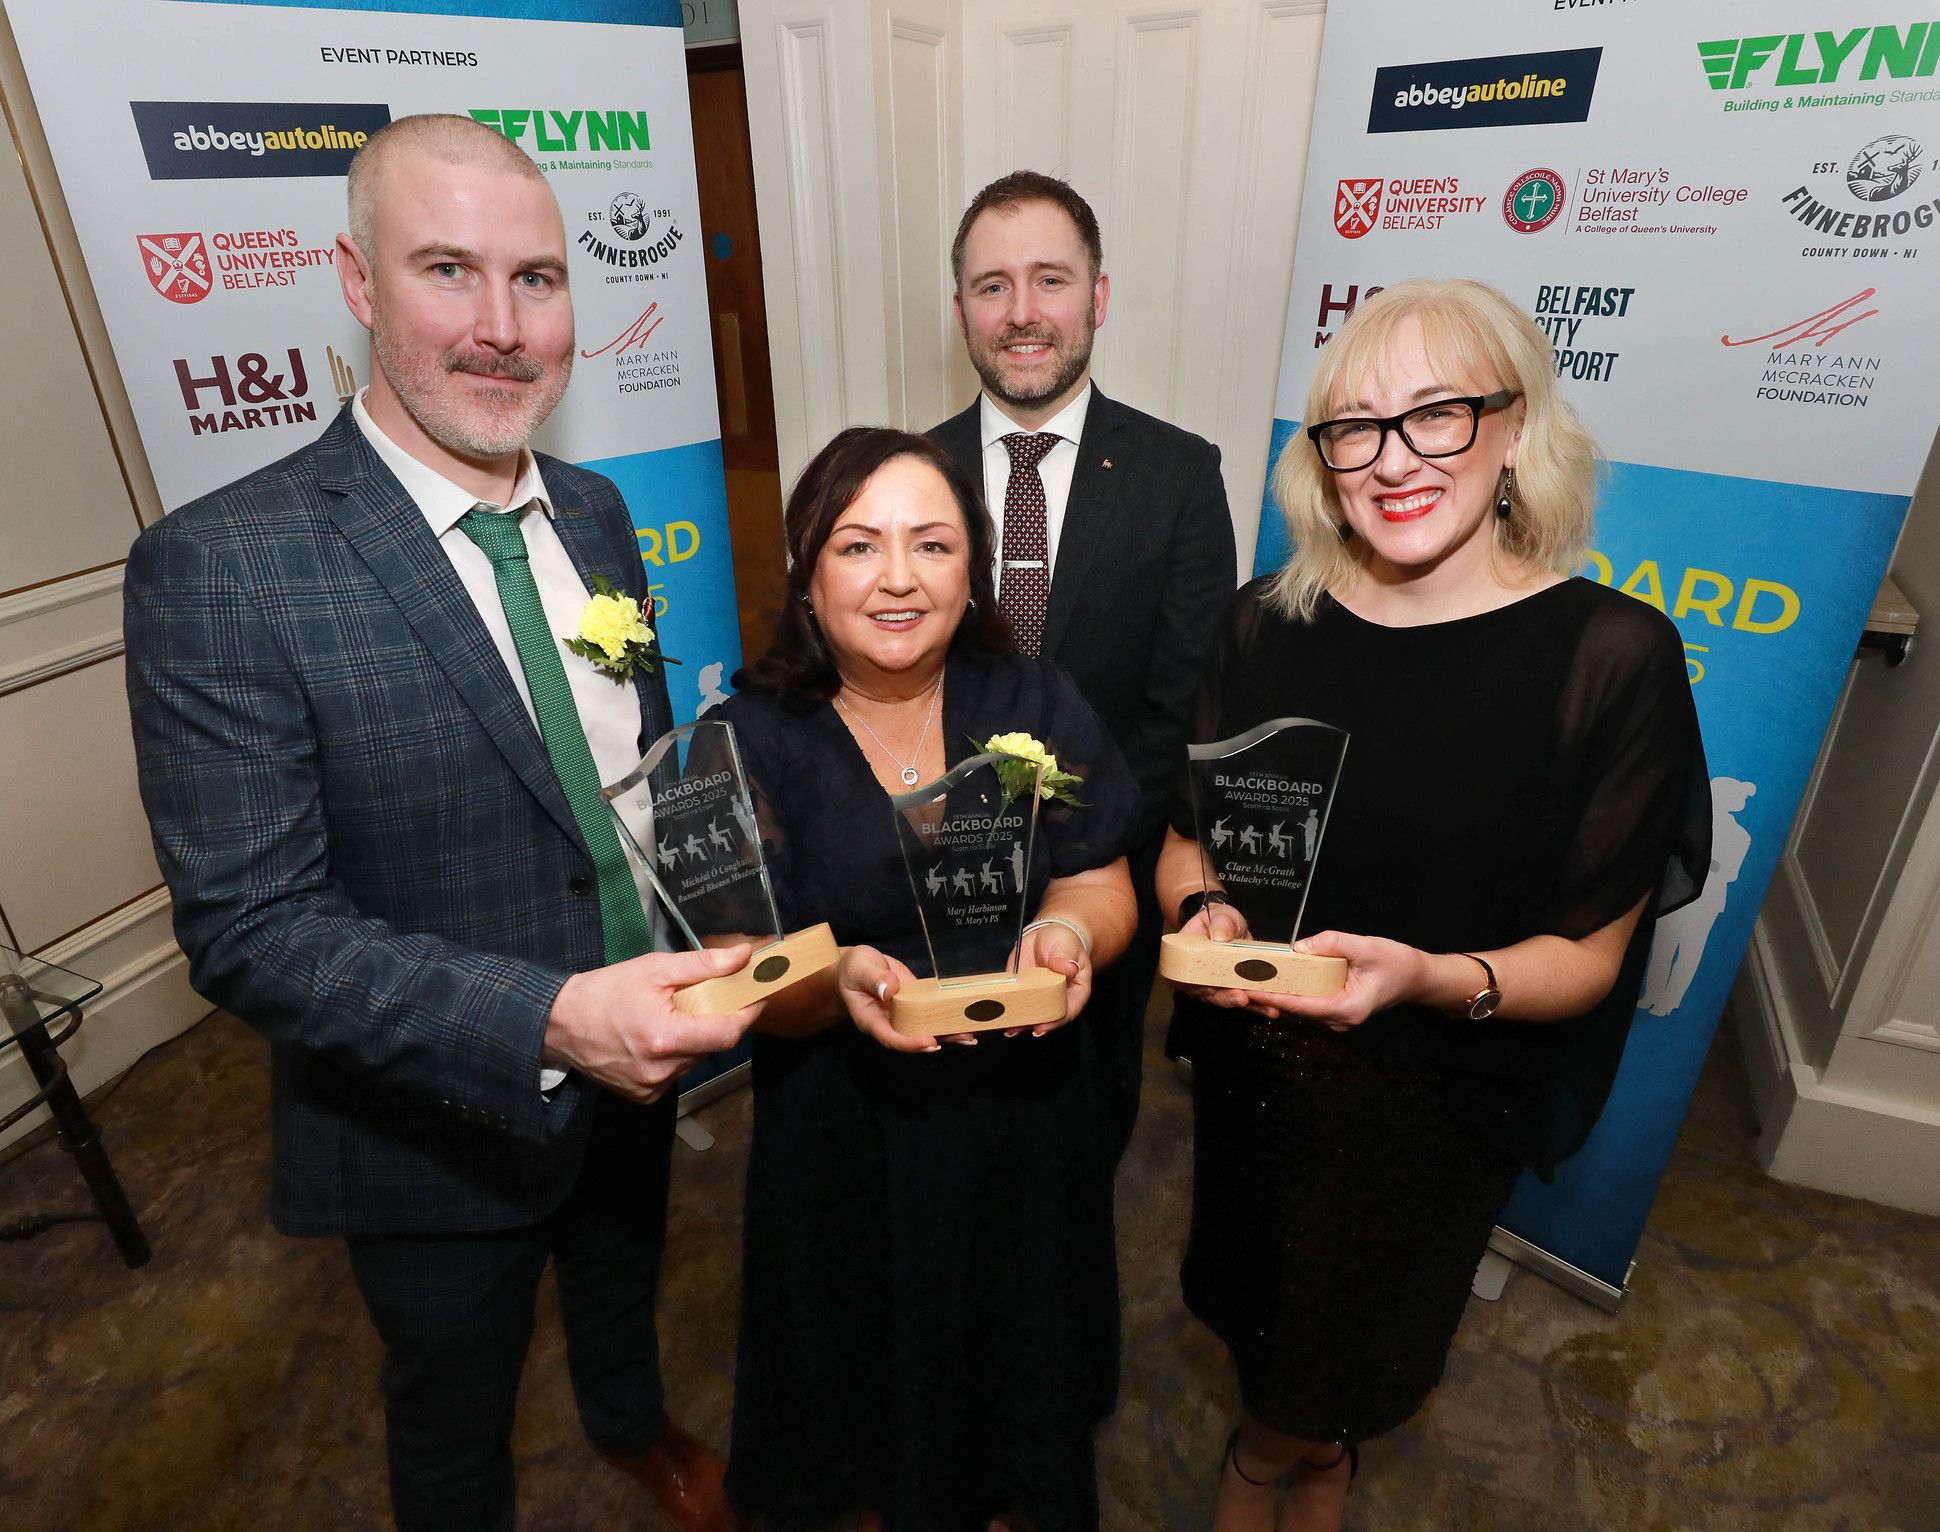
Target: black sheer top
x,y
1526,771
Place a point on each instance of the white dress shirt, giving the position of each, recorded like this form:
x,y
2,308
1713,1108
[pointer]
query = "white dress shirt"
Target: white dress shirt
x,y
609,712
1055,470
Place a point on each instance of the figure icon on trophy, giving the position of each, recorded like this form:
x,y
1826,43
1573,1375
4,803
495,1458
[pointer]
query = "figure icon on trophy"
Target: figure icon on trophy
x,y
669,855
1277,841
1310,830
992,884
1678,947
1222,835
1017,865
712,692
934,882
695,850
960,881
717,837
1249,841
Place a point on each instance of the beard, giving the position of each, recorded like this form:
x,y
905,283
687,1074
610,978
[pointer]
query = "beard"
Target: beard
x,y
1073,354
487,424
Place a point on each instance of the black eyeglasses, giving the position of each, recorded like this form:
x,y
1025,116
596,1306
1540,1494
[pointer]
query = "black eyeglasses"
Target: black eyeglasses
x,y
1439,429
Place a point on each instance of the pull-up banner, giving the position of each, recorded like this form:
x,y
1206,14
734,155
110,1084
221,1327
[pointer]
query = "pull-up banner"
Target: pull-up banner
x,y
1725,215
202,150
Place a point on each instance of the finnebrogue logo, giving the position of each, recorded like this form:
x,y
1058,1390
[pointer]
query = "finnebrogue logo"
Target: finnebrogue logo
x,y
1877,175
1498,92
642,238
220,140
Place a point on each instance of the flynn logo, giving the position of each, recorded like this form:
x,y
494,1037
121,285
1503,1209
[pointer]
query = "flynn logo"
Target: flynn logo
x,y
1357,205
1822,58
177,266
567,132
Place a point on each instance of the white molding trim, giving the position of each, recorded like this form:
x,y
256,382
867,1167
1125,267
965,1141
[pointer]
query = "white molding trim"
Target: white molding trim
x,y
1831,967
42,605
815,241
56,594
1906,934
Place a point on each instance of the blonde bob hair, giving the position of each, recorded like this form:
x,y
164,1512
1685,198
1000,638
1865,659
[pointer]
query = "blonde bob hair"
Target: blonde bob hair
x,y
1476,341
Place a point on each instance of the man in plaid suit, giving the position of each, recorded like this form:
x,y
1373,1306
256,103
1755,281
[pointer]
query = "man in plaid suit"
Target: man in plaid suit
x,y
371,768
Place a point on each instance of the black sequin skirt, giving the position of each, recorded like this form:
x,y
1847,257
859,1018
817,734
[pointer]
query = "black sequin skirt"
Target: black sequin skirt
x,y
1340,1206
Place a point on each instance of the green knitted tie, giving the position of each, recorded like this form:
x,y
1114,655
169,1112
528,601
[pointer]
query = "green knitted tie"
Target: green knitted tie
x,y
501,539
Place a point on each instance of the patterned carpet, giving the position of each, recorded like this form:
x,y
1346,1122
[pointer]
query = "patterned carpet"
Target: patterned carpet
x,y
1775,1369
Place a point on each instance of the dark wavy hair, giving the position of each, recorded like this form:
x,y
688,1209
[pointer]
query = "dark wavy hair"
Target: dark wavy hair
x,y
798,667
1007,193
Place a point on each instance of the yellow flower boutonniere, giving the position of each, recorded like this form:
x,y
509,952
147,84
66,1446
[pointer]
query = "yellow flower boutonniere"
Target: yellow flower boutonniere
x,y
1015,777
614,635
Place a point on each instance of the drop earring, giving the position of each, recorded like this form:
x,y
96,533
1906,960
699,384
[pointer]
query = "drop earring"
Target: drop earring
x,y
1502,506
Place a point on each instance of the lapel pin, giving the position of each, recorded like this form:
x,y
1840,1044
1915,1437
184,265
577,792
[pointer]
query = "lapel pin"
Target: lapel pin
x,y
1107,462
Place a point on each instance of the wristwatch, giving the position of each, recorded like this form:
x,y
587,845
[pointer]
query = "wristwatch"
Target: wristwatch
x,y
1481,1005
1197,900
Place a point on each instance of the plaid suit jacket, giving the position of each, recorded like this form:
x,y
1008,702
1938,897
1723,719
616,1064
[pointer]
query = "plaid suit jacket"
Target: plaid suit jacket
x,y
371,859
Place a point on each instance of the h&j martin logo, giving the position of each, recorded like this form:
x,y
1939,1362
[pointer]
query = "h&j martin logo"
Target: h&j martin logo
x,y
1533,201
177,265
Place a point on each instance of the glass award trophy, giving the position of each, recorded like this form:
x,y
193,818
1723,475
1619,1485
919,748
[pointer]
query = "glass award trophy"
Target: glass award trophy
x,y
967,848
1259,803
687,823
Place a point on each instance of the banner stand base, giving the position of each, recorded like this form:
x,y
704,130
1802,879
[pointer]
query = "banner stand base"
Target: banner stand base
x,y
1571,1279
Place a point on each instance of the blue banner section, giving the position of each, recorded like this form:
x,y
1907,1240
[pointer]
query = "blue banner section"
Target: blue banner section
x,y
678,500
1769,584
626,13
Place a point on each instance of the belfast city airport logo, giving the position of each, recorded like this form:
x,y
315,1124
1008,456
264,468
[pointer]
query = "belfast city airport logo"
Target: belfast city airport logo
x,y
1533,201
1848,65
1878,176
177,266
1400,203
538,130
220,140
628,222
1497,92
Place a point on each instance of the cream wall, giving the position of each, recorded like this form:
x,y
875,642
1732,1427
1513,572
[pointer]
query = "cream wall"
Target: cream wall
x,y
1184,125
78,882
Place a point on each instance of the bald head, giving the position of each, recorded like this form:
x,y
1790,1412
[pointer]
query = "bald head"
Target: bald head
x,y
438,136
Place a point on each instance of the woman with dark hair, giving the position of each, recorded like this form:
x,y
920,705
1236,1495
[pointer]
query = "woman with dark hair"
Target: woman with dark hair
x,y
929,1328
1523,794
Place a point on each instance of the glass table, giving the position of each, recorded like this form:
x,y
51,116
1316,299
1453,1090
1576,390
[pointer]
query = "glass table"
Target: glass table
x,y
42,1007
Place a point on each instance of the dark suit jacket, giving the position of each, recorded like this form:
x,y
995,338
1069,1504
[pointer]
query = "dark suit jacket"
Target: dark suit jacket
x,y
1145,571
370,856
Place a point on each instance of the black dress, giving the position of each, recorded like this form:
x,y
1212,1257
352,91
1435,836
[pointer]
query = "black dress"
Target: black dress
x,y
929,1320
1531,770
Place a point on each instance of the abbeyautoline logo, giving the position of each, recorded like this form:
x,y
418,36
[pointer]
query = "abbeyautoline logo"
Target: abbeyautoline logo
x,y
540,131
1842,56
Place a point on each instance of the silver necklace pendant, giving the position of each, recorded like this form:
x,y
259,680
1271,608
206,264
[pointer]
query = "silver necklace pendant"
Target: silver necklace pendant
x,y
909,776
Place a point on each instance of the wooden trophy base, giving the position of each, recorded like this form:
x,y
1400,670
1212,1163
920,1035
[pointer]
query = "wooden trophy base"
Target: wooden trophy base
x,y
1249,965
1028,998
798,956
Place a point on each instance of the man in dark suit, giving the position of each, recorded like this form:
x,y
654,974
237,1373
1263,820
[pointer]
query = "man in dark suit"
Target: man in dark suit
x,y
1116,548
372,770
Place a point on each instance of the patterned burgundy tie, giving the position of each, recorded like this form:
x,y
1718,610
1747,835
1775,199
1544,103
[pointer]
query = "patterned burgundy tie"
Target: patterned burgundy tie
x,y
1025,583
